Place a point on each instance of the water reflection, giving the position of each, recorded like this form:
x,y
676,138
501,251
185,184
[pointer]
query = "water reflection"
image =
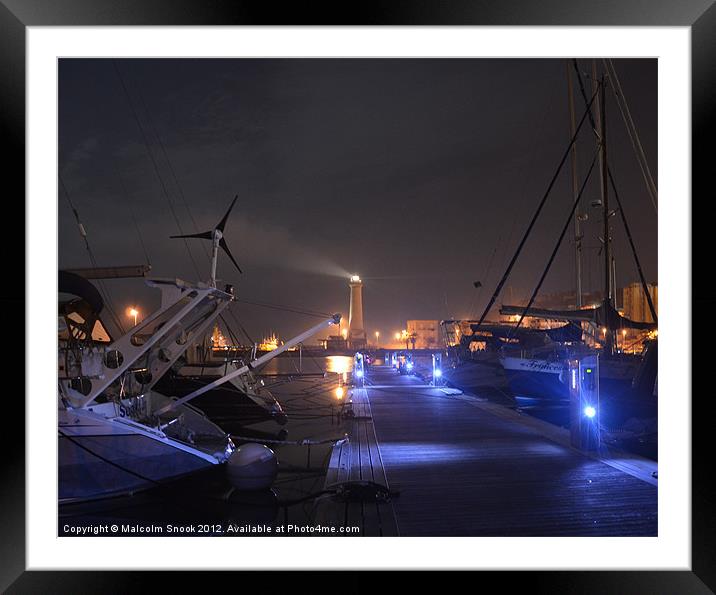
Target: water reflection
x,y
292,364
340,364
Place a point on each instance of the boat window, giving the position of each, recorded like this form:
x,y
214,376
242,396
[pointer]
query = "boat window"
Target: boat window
x,y
99,333
76,316
75,324
77,330
63,332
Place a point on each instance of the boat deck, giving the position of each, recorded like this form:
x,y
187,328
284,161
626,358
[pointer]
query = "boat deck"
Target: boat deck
x,y
467,467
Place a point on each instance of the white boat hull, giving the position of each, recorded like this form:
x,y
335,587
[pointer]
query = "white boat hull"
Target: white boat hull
x,y
101,458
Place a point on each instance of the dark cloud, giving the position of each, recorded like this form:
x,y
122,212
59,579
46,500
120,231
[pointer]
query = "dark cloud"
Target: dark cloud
x,y
421,175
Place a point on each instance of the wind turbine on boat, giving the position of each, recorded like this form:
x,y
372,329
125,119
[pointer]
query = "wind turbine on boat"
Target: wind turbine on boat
x,y
216,236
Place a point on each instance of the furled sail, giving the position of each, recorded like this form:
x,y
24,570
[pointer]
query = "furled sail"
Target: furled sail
x,y
603,316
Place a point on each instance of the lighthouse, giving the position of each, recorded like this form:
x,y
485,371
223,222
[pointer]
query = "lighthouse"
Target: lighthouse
x,y
356,331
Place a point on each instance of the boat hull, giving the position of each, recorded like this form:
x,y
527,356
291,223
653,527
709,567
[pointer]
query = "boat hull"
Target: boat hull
x,y
101,459
536,379
230,406
546,380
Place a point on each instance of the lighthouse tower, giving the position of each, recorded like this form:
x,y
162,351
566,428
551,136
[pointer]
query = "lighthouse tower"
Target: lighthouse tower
x,y
356,331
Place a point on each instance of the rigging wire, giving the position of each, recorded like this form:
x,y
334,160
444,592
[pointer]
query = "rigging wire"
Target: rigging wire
x,y
83,233
485,276
526,179
537,212
241,326
139,235
182,196
145,137
633,134
644,286
633,248
293,309
233,337
557,245
180,191
147,145
172,171
134,221
94,453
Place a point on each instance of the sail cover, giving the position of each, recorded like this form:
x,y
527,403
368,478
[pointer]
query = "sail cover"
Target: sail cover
x,y
603,316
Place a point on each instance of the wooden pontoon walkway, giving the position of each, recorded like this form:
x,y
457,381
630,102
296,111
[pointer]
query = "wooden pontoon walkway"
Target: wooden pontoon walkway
x,y
464,466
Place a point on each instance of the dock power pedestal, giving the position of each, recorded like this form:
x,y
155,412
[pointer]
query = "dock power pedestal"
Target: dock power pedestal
x,y
358,369
437,379
583,379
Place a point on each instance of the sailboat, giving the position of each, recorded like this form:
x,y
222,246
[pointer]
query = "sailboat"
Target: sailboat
x,y
542,373
117,434
241,401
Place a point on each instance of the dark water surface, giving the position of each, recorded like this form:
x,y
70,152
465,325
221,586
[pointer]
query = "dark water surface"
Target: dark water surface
x,y
208,503
486,379
306,389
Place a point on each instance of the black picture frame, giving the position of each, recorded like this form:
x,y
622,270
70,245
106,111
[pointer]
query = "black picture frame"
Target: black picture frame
x,y
700,15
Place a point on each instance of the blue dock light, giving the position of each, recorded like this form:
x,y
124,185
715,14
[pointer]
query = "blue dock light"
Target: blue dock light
x,y
410,365
359,373
437,370
584,411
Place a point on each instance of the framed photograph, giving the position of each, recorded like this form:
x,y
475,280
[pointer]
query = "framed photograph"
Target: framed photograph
x,y
395,279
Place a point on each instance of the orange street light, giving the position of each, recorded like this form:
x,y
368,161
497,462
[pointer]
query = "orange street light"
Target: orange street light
x,y
133,312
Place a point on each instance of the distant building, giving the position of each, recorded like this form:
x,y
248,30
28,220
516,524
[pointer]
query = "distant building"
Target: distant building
x,y
426,333
531,322
453,331
336,343
635,304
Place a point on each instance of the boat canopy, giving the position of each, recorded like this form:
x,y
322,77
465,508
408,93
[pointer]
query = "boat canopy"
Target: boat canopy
x,y
603,316
566,333
74,284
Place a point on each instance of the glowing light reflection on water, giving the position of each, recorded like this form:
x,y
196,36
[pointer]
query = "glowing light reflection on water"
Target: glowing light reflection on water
x,y
337,364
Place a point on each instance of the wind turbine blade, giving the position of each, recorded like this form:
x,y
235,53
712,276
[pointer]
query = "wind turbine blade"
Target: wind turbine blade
x,y
206,235
222,223
225,247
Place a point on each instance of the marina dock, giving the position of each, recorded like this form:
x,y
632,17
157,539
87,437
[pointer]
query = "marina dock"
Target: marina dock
x,y
457,464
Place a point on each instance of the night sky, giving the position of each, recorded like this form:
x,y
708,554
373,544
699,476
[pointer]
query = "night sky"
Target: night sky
x,y
419,175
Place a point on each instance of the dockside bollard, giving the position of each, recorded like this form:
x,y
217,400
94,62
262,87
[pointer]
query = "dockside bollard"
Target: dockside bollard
x,y
583,379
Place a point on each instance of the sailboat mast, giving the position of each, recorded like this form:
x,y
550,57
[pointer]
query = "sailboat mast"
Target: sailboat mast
x,y
598,103
608,290
614,282
605,197
575,191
